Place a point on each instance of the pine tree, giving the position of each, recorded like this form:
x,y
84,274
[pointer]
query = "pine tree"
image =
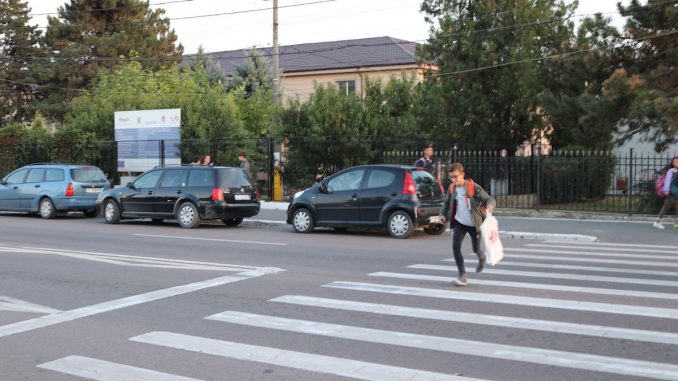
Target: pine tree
x,y
18,69
90,35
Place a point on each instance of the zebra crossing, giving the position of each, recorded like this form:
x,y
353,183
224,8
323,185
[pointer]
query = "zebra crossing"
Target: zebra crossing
x,y
554,289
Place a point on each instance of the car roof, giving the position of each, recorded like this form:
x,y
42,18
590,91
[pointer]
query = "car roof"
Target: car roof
x,y
394,166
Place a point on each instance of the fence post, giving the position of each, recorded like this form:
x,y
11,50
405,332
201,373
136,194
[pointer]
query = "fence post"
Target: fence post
x,y
631,180
162,152
271,167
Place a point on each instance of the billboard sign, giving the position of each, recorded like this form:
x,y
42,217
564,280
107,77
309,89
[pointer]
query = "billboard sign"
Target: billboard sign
x,y
138,134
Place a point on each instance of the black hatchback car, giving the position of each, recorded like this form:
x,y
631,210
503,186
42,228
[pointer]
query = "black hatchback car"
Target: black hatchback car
x,y
399,198
188,194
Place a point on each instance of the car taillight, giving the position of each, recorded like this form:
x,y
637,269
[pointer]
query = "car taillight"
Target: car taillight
x,y
408,186
217,194
69,190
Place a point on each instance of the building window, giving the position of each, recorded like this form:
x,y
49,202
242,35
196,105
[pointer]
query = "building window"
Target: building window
x,y
346,87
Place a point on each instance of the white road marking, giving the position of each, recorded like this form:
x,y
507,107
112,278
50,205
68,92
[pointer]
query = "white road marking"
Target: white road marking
x,y
565,359
212,239
481,297
78,313
590,254
584,278
130,260
587,260
99,370
310,362
596,244
602,248
547,236
483,319
581,268
551,287
18,305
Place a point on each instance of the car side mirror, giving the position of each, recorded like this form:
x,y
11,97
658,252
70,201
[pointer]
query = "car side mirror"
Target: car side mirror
x,y
3,182
130,185
322,187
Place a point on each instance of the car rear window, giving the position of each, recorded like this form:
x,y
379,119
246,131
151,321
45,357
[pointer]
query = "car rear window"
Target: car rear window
x,y
201,178
423,180
87,175
233,177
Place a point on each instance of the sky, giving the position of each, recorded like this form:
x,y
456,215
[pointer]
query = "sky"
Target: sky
x,y
314,21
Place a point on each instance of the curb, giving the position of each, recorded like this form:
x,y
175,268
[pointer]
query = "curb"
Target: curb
x,y
502,234
548,236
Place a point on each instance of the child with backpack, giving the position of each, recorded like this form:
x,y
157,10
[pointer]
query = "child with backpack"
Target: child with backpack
x,y
464,206
669,190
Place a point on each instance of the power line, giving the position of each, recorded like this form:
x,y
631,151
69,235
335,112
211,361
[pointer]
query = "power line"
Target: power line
x,y
113,8
559,55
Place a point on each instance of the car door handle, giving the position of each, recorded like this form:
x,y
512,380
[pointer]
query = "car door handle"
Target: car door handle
x,y
180,191
150,192
37,185
15,187
355,196
394,194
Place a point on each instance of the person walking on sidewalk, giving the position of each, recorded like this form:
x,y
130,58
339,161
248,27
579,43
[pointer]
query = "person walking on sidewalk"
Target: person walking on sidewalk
x,y
426,160
463,207
670,192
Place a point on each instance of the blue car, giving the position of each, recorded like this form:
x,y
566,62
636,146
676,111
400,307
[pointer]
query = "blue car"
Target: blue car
x,y
46,189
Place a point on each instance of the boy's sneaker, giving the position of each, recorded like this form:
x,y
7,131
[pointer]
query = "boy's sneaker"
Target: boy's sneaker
x,y
461,281
658,226
481,264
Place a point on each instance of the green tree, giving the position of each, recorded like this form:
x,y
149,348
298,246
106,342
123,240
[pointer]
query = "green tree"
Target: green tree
x,y
18,71
202,62
487,53
647,82
90,35
578,112
254,74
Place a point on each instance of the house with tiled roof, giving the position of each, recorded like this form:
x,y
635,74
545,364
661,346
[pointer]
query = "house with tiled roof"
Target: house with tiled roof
x,y
344,63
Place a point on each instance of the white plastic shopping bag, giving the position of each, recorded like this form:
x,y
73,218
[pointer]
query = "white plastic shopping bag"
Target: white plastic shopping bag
x,y
490,244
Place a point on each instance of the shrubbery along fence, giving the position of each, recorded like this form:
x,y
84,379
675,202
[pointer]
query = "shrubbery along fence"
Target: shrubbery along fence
x,y
562,180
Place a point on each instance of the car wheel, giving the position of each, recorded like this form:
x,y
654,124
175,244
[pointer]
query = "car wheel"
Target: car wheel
x,y
188,216
302,221
46,208
232,221
111,212
400,225
435,230
90,213
157,221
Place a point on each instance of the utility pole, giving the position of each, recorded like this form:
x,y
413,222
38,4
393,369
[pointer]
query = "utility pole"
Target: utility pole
x,y
276,56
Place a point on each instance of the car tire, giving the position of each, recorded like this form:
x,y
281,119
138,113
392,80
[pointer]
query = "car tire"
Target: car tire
x,y
46,208
188,216
232,221
400,225
90,213
302,221
112,212
157,221
435,230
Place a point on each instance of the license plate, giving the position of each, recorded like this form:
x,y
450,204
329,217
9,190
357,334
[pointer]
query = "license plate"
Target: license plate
x,y
92,190
242,197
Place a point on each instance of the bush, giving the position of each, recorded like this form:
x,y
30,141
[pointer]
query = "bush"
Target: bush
x,y
574,179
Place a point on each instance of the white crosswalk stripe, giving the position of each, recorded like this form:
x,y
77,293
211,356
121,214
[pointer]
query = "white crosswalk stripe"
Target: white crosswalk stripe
x,y
484,319
585,278
604,244
99,370
481,297
623,309
298,360
612,365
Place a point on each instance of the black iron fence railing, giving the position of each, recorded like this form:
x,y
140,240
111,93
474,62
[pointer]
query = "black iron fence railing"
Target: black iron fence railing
x,y
592,181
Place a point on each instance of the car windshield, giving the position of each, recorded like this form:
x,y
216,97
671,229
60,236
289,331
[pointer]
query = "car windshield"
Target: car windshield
x,y
88,175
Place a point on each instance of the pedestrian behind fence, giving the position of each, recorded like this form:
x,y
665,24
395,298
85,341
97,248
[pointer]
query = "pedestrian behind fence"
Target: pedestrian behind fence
x,y
464,206
426,160
669,191
244,163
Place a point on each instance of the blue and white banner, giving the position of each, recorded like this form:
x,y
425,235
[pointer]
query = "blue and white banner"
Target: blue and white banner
x,y
139,133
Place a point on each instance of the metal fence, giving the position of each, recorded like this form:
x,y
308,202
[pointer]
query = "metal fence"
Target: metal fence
x,y
568,180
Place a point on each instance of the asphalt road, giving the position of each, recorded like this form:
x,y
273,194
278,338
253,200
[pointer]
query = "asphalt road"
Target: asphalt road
x,y
80,299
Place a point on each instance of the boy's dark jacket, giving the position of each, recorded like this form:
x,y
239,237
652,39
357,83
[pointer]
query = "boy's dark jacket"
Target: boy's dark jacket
x,y
480,199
